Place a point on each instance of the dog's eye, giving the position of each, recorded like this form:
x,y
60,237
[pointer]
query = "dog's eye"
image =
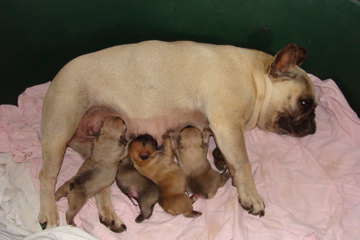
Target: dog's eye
x,y
306,103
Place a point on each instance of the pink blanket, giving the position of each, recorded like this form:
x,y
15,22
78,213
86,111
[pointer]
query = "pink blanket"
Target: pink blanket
x,y
310,185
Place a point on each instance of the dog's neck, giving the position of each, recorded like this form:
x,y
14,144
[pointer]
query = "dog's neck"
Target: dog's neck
x,y
262,86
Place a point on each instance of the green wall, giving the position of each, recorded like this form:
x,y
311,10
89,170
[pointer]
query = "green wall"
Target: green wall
x,y
38,37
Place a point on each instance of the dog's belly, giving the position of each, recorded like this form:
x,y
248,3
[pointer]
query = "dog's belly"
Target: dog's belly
x,y
155,126
158,125
92,121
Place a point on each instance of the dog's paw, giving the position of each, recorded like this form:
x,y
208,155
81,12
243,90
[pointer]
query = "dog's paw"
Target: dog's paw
x,y
171,133
113,222
194,198
192,214
139,219
252,203
48,218
166,135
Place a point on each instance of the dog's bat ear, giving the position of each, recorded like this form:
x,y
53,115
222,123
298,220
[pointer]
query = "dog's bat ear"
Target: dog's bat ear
x,y
301,55
286,60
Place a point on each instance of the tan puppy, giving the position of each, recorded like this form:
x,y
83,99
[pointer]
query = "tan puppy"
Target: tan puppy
x,y
98,171
191,151
156,86
164,172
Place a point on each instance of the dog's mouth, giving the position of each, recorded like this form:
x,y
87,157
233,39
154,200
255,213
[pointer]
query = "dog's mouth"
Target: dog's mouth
x,y
298,126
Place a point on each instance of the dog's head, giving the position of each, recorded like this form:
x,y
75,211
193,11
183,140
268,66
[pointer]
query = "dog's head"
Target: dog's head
x,y
143,148
113,128
289,103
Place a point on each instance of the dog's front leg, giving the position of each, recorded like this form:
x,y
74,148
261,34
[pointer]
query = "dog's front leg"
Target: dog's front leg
x,y
231,142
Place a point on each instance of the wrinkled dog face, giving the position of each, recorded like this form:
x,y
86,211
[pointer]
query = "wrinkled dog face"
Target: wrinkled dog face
x,y
290,109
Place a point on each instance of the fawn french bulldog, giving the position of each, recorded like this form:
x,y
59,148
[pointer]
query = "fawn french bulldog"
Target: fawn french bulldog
x,y
155,86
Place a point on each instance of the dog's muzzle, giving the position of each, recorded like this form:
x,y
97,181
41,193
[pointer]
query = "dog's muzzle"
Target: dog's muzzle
x,y
298,126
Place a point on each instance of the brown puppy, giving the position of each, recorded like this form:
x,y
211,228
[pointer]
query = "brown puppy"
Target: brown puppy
x,y
191,150
135,185
98,171
155,86
161,168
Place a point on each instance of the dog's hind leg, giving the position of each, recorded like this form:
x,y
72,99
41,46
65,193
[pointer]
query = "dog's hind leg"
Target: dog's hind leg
x,y
107,215
146,204
76,200
60,117
189,212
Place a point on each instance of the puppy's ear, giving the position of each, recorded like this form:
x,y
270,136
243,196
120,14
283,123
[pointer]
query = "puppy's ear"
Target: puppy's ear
x,y
286,60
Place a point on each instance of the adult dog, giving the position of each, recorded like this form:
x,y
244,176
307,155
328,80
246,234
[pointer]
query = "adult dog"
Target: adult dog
x,y
156,86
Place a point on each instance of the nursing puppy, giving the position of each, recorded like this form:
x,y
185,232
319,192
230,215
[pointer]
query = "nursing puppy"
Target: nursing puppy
x,y
135,185
98,171
191,151
164,172
155,86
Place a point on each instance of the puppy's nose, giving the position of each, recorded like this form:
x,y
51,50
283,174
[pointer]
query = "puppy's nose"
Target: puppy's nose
x,y
144,156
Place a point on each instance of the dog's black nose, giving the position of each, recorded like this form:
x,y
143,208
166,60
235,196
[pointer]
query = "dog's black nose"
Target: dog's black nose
x,y
144,156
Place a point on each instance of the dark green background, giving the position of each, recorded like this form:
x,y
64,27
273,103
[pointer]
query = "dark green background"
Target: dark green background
x,y
38,37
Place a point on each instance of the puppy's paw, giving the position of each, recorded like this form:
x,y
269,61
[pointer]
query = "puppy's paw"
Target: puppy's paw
x,y
171,133
139,219
48,217
113,222
252,202
166,135
194,198
192,214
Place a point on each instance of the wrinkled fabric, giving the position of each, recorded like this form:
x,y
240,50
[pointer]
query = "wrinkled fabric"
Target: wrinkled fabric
x,y
310,185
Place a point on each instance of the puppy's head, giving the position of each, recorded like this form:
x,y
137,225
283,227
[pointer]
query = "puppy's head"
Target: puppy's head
x,y
113,128
143,148
289,104
190,136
